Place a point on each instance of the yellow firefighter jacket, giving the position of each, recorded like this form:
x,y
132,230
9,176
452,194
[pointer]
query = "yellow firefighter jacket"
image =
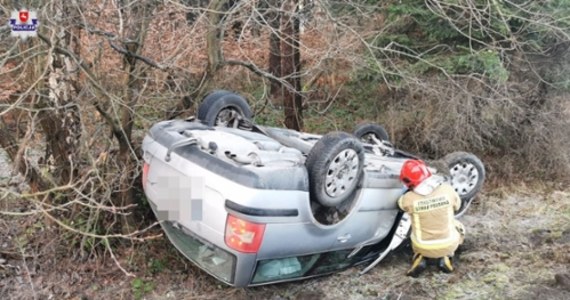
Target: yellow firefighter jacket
x,y
435,232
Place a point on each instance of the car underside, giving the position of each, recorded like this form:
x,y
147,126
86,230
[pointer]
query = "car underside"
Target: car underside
x,y
253,205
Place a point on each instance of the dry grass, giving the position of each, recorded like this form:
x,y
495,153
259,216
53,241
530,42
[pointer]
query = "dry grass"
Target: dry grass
x,y
518,239
518,133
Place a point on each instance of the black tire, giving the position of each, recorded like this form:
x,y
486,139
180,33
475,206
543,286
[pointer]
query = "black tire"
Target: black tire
x,y
363,131
223,102
467,175
325,184
206,102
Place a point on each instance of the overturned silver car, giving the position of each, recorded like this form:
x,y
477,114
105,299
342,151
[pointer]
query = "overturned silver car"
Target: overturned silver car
x,y
253,205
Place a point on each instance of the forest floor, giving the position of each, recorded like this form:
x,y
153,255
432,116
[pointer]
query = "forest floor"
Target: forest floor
x,y
517,247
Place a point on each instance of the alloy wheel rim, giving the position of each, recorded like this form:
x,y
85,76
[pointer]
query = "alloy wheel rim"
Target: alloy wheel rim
x,y
464,177
341,173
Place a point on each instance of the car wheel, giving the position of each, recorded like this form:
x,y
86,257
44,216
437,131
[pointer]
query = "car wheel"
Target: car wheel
x,y
365,132
210,98
335,166
467,174
223,108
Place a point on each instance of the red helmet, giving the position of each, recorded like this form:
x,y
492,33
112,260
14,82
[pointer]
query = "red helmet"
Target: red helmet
x,y
413,173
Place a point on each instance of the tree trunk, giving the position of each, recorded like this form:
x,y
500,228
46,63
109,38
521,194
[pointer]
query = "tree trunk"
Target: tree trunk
x,y
60,117
214,36
215,16
290,69
139,18
274,20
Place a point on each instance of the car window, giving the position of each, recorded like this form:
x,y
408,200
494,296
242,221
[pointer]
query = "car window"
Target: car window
x,y
301,266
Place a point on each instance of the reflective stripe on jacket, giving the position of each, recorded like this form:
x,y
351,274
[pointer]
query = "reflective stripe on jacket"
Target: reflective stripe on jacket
x,y
434,232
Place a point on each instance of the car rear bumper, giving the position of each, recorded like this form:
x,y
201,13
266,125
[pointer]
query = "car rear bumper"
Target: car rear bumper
x,y
231,267
212,259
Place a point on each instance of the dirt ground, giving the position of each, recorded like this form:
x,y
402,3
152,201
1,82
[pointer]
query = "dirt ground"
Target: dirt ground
x,y
517,247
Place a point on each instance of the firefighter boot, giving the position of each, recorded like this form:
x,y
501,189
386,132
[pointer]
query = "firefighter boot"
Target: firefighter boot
x,y
418,266
445,264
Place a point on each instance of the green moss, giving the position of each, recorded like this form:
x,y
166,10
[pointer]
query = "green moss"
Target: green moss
x,y
140,287
497,276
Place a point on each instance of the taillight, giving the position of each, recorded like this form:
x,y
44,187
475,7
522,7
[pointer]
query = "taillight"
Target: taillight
x,y
144,174
242,235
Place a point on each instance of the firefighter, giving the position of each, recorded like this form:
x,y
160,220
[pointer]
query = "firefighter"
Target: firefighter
x,y
431,204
